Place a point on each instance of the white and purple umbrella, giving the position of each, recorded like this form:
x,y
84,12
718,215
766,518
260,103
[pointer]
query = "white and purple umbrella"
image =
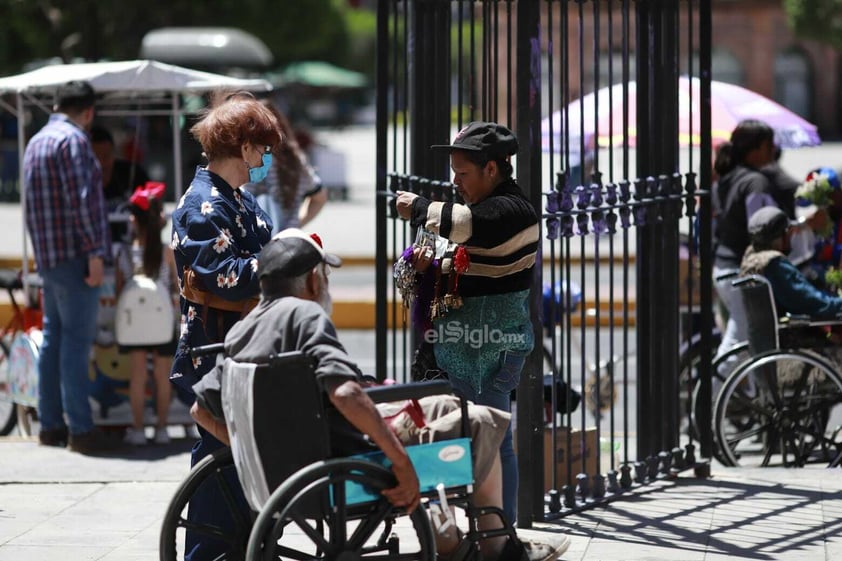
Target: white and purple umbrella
x,y
730,104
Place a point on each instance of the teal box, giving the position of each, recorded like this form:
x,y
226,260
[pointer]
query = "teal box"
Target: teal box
x,y
447,462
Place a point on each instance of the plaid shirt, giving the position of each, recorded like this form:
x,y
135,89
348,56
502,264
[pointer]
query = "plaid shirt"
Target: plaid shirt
x,y
65,206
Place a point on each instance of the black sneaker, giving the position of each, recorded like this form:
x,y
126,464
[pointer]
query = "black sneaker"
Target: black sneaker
x,y
92,442
53,437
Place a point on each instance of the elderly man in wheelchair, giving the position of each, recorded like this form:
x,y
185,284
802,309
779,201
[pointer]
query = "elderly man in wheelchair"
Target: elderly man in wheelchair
x,y
325,465
782,405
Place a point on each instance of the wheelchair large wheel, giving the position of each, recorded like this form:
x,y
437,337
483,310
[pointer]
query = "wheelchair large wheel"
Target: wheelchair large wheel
x,y
721,367
782,408
299,509
214,469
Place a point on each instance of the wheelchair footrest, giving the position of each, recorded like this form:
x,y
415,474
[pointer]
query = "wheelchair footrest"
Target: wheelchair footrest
x,y
447,462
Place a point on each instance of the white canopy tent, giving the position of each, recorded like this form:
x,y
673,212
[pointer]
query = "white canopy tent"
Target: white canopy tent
x,y
137,87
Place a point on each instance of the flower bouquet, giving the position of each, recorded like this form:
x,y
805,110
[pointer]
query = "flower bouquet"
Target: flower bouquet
x,y
816,190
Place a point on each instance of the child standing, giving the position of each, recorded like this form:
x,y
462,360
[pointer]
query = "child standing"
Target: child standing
x,y
149,256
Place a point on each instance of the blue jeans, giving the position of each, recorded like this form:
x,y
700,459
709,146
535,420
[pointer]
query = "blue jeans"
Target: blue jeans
x,y
499,396
735,329
70,314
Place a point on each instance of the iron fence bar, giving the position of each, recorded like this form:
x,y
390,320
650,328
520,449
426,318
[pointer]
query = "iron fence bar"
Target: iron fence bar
x,y
528,131
381,126
509,60
705,234
611,223
595,183
460,19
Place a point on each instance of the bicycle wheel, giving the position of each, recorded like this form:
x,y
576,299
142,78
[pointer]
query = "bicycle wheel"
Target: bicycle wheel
x,y
8,409
780,408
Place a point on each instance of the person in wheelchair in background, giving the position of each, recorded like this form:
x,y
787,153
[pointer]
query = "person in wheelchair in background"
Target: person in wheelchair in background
x,y
293,315
769,229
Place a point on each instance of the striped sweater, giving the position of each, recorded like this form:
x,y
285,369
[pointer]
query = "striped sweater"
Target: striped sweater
x,y
500,234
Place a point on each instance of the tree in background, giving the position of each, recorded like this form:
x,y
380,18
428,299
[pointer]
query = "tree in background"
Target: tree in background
x,y
819,20
329,30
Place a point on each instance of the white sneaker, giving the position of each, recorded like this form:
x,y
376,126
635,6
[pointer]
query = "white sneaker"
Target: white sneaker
x,y
135,437
161,436
548,548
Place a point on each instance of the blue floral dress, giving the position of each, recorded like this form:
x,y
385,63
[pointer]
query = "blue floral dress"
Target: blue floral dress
x,y
218,232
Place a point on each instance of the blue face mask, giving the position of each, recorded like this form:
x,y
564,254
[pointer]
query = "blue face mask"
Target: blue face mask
x,y
256,175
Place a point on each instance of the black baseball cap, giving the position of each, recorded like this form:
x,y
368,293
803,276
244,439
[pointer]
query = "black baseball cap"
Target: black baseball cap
x,y
481,136
291,253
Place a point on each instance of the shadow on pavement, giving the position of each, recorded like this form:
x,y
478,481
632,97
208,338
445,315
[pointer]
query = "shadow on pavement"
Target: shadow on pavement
x,y
745,520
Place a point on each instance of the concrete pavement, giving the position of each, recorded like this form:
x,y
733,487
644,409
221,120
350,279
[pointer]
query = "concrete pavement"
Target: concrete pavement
x,y
56,505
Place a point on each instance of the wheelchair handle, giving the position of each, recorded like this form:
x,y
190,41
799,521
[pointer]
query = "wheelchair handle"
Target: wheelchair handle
x,y
745,280
415,390
206,350
728,275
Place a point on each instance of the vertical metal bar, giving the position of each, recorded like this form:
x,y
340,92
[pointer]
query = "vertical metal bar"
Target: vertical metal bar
x,y
472,71
178,172
509,61
625,244
21,119
530,391
597,362
382,81
612,328
494,74
705,234
460,18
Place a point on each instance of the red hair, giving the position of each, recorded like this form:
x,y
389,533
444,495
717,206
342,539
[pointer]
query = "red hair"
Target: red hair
x,y
238,119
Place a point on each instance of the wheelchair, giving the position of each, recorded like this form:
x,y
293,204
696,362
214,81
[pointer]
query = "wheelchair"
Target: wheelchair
x,y
303,504
782,406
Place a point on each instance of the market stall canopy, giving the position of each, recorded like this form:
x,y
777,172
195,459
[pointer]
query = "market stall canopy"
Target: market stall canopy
x,y
318,74
133,78
205,46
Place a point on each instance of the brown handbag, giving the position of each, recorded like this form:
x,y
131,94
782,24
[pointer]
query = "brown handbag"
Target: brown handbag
x,y
193,290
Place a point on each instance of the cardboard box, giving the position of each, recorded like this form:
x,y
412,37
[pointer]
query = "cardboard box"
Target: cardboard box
x,y
583,444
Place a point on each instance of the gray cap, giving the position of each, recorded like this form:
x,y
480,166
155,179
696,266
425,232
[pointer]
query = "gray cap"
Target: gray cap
x,y
767,224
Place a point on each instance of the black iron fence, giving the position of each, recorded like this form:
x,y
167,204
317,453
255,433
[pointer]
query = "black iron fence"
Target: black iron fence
x,y
607,100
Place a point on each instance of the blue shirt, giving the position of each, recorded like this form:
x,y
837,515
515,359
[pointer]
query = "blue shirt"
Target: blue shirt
x,y
217,231
65,206
794,294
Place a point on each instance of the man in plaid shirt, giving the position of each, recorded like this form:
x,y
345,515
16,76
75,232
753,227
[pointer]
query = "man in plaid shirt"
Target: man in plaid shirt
x,y
67,219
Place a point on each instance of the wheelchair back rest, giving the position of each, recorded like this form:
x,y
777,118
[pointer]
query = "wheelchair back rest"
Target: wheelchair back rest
x,y
276,421
754,294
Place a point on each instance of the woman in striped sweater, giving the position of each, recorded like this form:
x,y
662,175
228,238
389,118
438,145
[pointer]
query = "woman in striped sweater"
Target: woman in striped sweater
x,y
481,330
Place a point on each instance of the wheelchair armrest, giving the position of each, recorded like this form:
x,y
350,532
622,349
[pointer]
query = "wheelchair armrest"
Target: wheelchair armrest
x,y
415,390
795,320
206,350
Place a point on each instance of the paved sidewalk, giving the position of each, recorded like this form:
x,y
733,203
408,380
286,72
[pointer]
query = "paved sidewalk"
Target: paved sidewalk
x,y
57,505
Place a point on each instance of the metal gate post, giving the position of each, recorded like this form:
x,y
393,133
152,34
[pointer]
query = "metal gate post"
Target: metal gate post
x,y
657,249
429,87
380,278
530,413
